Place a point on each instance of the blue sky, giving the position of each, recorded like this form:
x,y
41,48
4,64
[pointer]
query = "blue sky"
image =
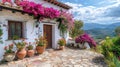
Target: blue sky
x,y
95,11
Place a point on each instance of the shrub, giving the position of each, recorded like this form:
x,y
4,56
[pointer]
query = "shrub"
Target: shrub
x,y
42,41
110,48
30,46
9,49
62,42
21,45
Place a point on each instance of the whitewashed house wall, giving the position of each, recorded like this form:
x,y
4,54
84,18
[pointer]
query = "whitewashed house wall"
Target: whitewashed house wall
x,y
30,31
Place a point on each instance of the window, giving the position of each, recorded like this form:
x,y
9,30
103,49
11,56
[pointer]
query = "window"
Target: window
x,y
15,30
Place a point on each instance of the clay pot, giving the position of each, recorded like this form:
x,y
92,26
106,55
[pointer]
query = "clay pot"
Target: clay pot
x,y
40,49
9,57
21,54
61,47
30,53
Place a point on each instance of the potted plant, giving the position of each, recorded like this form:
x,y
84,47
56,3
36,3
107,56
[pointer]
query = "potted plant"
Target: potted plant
x,y
21,52
30,51
41,44
9,53
61,43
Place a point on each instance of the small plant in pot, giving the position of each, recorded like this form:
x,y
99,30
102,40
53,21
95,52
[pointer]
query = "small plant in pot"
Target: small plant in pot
x,y
62,43
21,52
41,44
30,50
9,53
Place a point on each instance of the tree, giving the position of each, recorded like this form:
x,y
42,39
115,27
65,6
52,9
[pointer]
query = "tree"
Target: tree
x,y
76,30
117,30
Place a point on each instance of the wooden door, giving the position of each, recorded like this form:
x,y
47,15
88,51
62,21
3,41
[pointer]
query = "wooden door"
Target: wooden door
x,y
48,33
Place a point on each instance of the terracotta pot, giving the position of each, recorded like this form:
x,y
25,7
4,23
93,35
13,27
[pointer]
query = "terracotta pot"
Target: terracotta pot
x,y
30,53
40,49
61,47
21,54
9,57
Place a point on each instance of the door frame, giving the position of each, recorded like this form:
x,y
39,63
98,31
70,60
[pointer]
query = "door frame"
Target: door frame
x,y
48,29
53,33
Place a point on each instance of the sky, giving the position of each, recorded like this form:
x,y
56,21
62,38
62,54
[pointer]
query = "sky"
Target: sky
x,y
95,11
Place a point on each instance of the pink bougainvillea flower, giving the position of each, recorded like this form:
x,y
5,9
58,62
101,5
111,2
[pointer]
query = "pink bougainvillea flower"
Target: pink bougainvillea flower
x,y
67,16
85,38
39,10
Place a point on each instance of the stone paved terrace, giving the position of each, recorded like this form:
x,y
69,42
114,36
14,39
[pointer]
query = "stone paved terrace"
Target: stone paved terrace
x,y
58,58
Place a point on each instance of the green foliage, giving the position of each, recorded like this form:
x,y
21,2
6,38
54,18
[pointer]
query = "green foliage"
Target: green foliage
x,y
30,47
116,46
15,37
62,42
117,30
9,49
21,45
116,62
110,48
1,32
62,27
116,40
63,30
76,30
42,41
106,47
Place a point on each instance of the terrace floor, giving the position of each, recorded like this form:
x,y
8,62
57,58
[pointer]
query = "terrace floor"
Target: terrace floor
x,y
61,58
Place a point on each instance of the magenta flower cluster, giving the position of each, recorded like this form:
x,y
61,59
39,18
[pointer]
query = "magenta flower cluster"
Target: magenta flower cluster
x,y
68,16
85,38
39,10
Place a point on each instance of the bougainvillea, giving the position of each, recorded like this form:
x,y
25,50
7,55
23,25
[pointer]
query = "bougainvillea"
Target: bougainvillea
x,y
68,19
85,38
66,22
39,10
51,13
65,19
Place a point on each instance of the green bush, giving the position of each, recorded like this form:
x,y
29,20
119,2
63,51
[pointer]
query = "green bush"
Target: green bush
x,y
116,46
110,48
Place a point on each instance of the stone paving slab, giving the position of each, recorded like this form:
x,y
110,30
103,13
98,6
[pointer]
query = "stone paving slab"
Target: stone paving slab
x,y
61,58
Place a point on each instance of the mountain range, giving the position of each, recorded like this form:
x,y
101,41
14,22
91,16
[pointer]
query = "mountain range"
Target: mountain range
x,y
100,31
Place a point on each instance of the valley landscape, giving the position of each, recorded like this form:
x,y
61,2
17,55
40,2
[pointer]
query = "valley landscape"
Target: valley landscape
x,y
100,31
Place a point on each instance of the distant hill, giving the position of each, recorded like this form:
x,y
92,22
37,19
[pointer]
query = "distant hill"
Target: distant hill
x,y
88,26
100,31
113,26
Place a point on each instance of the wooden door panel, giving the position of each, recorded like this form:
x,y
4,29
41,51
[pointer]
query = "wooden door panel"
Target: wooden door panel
x,y
48,34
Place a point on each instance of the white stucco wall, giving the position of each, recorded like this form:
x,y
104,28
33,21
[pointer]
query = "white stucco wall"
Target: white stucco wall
x,y
55,32
30,31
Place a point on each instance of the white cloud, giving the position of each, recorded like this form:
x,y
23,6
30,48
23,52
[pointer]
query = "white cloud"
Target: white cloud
x,y
96,14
